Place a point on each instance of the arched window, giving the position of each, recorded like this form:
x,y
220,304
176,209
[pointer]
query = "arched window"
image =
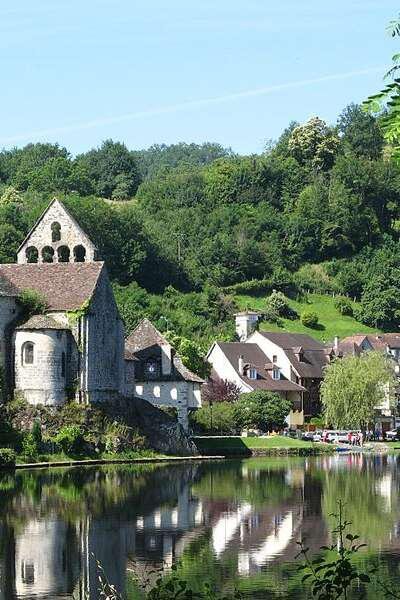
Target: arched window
x,y
63,254
28,353
47,254
55,232
79,253
32,254
63,364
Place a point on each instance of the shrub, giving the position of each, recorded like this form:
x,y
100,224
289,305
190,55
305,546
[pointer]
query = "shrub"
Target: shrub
x,y
309,319
215,419
314,278
29,446
344,306
272,317
7,457
37,433
32,303
119,437
220,390
277,304
262,410
254,287
70,439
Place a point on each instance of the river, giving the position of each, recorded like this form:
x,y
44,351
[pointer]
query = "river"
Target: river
x,y
229,523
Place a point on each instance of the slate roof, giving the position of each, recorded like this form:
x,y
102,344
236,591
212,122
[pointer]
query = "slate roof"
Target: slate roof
x,y
146,338
42,322
313,356
254,356
65,286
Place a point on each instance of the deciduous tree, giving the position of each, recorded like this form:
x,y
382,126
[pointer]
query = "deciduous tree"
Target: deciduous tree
x,y
354,386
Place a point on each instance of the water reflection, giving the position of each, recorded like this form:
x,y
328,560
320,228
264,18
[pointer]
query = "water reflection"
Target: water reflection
x,y
229,521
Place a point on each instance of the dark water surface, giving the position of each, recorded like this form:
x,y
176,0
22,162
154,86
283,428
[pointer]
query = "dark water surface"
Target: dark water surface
x,y
231,523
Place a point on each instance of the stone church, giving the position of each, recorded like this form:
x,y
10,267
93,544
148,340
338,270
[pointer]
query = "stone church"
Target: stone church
x,y
76,349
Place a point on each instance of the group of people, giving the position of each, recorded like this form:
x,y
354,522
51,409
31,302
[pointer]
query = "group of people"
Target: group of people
x,y
356,438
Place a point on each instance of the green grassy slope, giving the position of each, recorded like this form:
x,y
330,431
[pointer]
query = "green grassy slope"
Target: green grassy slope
x,y
331,322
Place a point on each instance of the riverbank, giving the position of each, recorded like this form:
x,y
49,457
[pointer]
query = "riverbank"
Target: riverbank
x,y
232,446
111,461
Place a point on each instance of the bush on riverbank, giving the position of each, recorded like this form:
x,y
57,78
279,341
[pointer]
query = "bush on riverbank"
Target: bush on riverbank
x,y
7,457
90,431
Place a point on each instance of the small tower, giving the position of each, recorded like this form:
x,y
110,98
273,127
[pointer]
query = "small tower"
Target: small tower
x,y
246,323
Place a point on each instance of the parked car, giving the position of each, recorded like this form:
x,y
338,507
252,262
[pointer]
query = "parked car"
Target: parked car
x,y
392,435
312,436
338,436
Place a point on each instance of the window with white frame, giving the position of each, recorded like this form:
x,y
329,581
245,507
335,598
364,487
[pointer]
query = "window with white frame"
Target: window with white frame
x,y
276,374
252,373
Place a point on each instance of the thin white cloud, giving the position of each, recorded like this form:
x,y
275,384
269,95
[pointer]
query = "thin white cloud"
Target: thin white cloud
x,y
189,105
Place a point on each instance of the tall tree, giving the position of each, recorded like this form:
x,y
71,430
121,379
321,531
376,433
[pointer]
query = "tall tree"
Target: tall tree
x,y
106,164
386,103
354,387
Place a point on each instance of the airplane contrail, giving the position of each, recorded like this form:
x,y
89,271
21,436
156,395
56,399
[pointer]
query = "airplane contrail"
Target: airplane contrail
x,y
190,104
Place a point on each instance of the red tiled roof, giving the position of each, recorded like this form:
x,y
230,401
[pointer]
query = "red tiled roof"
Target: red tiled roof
x,y
65,286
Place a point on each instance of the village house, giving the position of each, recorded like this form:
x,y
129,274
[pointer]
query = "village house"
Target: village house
x,y
155,372
290,364
248,367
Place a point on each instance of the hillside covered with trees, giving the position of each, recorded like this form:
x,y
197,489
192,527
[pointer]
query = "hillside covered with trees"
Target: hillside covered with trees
x,y
186,228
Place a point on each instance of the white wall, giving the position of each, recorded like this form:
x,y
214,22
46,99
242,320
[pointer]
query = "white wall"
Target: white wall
x,y
224,369
272,349
42,382
169,393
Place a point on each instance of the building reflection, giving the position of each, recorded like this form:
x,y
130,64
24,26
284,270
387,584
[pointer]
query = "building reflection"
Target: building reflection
x,y
251,516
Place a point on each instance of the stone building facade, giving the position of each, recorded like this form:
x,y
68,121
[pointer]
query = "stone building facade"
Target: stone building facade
x,y
156,373
56,237
76,349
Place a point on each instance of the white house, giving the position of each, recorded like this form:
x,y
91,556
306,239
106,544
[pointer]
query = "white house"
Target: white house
x,y
250,368
156,372
299,358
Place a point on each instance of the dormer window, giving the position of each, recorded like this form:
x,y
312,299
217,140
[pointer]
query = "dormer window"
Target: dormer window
x,y
252,373
276,374
152,368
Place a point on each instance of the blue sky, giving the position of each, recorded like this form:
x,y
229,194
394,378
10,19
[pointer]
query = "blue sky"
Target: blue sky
x,y
156,71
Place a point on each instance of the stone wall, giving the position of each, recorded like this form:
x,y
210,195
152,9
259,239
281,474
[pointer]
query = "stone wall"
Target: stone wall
x,y
50,377
57,222
102,345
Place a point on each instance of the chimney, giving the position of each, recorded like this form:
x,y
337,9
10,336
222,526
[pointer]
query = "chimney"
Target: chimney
x,y
241,365
166,359
246,323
